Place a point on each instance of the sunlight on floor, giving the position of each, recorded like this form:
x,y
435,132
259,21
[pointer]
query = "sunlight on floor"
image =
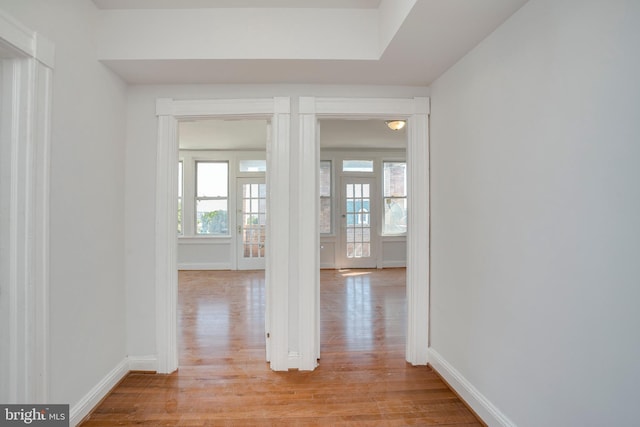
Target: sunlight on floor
x,y
348,273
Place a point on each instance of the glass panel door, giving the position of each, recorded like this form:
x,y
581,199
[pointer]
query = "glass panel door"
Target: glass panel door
x,y
252,221
358,223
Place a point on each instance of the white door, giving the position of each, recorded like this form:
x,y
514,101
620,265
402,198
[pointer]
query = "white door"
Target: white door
x,y
358,223
251,223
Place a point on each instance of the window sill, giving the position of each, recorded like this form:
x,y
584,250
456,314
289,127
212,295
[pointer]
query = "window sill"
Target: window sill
x,y
201,240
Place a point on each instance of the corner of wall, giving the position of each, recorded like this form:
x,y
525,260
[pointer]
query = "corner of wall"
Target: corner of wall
x,y
482,406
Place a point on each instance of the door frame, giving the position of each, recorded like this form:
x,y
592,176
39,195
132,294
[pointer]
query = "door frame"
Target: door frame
x,y
416,111
239,247
169,113
27,60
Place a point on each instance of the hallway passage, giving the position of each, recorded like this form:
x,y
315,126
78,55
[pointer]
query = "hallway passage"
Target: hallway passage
x,y
362,378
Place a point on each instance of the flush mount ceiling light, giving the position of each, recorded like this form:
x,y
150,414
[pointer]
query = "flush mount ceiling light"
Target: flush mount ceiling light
x,y
396,124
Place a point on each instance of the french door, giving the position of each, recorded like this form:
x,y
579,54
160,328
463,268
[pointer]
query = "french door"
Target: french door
x,y
358,228
251,223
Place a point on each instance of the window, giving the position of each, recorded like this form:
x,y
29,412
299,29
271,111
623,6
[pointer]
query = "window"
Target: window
x,y
357,166
253,165
325,196
212,198
395,198
180,198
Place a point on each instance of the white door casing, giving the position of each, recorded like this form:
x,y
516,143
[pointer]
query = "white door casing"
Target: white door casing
x,y
169,112
27,62
416,112
307,256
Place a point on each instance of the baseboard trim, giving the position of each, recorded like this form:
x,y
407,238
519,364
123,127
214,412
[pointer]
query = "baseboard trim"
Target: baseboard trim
x,y
486,410
394,264
84,407
143,363
204,266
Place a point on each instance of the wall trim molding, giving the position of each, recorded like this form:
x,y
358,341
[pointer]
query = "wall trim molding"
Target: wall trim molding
x,y
204,266
26,41
27,64
394,264
92,399
483,407
143,363
87,404
191,240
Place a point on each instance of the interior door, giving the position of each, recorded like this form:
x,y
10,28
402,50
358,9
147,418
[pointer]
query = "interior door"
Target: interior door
x,y
251,223
358,229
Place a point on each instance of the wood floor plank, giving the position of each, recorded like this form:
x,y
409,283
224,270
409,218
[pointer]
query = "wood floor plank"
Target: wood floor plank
x,y
224,380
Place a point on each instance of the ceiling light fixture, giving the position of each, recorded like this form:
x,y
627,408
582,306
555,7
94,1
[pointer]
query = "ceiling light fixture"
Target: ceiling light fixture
x,y
396,124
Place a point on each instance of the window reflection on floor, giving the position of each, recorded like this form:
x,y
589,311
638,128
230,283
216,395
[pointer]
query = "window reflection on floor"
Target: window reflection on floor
x,y
222,313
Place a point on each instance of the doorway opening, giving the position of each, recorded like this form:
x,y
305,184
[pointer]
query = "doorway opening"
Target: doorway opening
x,y
170,113
222,194
416,112
363,206
222,221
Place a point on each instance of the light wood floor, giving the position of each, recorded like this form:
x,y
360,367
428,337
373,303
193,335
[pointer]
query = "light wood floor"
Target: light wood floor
x,y
223,378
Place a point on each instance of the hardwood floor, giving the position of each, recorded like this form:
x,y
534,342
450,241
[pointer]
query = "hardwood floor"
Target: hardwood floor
x,y
224,380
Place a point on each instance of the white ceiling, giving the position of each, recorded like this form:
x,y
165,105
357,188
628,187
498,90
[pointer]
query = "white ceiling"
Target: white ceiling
x,y
206,4
434,35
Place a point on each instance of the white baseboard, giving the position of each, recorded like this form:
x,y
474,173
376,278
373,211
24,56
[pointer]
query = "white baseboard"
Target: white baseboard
x,y
394,264
204,266
82,408
97,393
486,410
143,363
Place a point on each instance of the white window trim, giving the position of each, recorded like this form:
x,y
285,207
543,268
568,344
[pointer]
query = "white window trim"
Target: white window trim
x,y
382,199
197,198
331,197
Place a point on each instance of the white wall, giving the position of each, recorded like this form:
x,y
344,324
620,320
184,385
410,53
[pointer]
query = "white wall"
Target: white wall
x,y
87,200
140,188
535,207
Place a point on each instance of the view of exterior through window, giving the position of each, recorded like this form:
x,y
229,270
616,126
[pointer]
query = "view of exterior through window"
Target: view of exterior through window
x,y
325,197
254,219
180,197
358,225
395,198
212,198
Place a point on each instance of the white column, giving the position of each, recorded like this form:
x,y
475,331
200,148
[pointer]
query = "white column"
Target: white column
x,y
308,256
277,253
418,235
167,240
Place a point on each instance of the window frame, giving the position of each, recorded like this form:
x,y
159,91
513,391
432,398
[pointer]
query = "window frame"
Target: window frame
x,y
366,172
197,198
385,196
181,197
330,197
